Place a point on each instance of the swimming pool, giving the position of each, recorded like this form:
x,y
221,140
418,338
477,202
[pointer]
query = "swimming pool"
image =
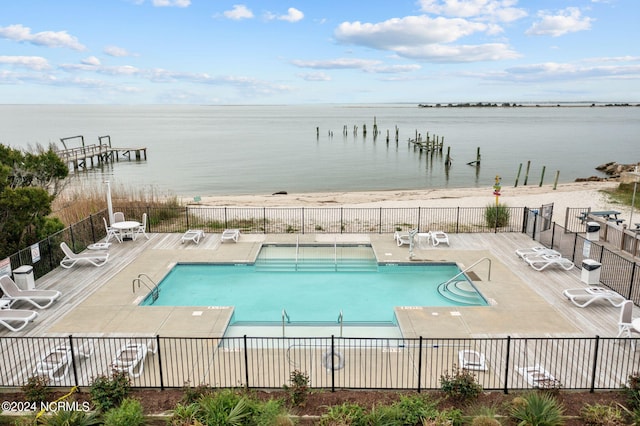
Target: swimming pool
x,y
317,284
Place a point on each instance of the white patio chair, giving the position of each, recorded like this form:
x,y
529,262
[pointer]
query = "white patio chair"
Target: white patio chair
x,y
143,227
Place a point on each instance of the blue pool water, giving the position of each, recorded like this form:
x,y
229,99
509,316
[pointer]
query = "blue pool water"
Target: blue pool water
x,y
362,291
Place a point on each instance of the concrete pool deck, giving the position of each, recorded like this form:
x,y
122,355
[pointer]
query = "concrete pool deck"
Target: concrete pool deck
x,y
523,302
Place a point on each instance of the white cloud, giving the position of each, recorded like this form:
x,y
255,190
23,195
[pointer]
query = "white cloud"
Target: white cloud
x,y
548,71
315,76
91,60
569,20
45,38
293,15
171,3
116,51
425,38
491,10
340,63
238,12
31,62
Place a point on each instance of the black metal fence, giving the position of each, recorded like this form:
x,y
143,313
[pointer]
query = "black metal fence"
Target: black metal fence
x,y
330,363
618,271
272,221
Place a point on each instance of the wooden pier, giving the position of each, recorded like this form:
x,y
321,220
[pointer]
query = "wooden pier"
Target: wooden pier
x,y
88,156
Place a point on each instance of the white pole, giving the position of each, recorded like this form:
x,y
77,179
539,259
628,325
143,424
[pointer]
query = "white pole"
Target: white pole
x,y
109,204
633,197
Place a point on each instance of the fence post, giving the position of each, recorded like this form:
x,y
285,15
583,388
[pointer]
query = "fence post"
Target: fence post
x,y
633,276
73,361
420,365
186,215
264,219
595,363
506,366
303,220
159,361
333,370
380,220
246,363
341,218
420,219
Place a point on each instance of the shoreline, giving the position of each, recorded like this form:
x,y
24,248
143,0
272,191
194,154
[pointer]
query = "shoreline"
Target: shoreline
x,y
575,194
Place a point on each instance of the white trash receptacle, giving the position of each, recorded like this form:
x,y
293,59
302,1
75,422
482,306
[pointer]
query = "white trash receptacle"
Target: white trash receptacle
x,y
593,231
23,276
590,272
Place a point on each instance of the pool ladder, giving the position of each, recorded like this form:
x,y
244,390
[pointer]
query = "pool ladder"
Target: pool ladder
x,y
145,280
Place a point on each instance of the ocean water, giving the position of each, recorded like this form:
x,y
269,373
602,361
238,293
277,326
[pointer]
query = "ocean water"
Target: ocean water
x,y
225,150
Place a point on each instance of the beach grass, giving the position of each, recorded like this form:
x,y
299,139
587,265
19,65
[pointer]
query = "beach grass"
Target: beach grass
x,y
624,194
77,202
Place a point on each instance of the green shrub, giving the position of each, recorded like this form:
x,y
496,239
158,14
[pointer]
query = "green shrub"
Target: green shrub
x,y
497,215
346,414
36,389
108,392
224,408
128,413
271,413
416,408
460,385
184,414
193,394
70,418
602,415
298,388
540,409
632,391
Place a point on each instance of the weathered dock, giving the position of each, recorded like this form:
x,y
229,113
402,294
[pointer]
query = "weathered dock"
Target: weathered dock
x,y
88,156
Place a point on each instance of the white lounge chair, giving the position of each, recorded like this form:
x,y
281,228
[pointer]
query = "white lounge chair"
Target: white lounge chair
x,y
130,358
8,317
472,360
536,251
585,296
57,361
192,235
39,298
111,232
404,237
230,235
544,261
538,377
142,229
438,237
71,258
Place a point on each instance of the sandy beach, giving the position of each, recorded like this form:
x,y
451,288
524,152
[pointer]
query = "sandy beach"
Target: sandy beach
x,y
575,194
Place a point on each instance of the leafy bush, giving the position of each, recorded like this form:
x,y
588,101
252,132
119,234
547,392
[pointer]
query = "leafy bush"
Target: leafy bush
x,y
497,215
129,413
416,408
604,415
70,418
184,414
36,389
224,408
540,409
299,387
632,391
193,394
345,414
460,385
108,392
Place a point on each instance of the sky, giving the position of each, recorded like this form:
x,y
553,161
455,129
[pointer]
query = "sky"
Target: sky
x,y
318,51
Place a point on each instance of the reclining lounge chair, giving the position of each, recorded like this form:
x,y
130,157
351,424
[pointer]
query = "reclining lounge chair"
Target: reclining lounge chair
x,y
438,237
536,251
404,237
230,235
543,261
538,377
57,361
41,299
130,358
472,360
585,296
8,318
192,235
71,258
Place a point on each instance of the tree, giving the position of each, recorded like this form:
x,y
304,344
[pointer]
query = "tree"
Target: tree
x,y
29,183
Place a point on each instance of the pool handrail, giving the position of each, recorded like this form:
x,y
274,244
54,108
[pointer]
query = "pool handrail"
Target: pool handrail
x,y
468,268
284,315
155,291
340,321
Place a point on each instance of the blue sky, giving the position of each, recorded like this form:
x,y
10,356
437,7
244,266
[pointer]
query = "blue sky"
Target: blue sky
x,y
318,51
